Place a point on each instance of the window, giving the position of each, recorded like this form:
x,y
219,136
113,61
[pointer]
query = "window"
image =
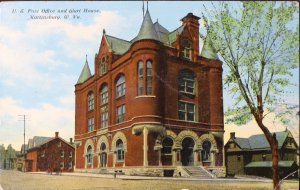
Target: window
x,y
167,144
149,78
62,165
70,154
120,150
89,155
239,158
70,165
121,113
59,144
186,82
186,111
104,118
264,157
43,153
120,86
90,101
104,94
90,124
140,78
186,49
103,66
62,154
205,152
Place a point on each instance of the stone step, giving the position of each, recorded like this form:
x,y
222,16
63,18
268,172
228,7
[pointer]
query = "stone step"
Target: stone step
x,y
197,172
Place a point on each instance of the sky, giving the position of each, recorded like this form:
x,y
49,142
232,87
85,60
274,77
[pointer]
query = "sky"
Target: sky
x,y
41,60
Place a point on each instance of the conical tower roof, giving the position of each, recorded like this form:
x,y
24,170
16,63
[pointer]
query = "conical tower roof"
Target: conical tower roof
x,y
85,73
208,50
147,30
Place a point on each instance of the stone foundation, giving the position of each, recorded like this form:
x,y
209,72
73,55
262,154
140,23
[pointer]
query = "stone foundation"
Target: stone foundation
x,y
217,171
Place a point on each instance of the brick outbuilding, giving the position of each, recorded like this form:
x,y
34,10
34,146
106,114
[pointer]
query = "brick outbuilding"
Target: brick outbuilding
x,y
153,104
53,155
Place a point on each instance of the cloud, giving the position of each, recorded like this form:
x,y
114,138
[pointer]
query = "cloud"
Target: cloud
x,y
43,120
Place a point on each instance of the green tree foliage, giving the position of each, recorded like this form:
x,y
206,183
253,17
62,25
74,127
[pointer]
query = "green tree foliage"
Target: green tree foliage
x,y
260,46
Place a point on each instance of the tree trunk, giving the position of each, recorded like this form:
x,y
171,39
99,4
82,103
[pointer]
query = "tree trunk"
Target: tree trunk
x,y
274,148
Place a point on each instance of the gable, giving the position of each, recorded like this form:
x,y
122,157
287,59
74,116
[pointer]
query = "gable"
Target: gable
x,y
104,47
232,147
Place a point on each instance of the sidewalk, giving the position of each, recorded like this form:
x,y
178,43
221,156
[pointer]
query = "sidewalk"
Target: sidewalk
x,y
127,177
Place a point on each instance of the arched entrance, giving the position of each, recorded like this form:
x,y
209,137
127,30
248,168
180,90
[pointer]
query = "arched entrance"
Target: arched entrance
x,y
187,156
103,155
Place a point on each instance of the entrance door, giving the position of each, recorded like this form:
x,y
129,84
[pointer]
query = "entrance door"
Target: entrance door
x,y
103,159
187,157
103,155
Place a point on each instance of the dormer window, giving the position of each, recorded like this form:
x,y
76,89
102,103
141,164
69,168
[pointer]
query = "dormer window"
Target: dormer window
x,y
103,66
186,49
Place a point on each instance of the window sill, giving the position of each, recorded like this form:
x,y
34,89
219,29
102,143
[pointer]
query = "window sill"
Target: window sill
x,y
189,94
145,96
187,121
119,161
120,97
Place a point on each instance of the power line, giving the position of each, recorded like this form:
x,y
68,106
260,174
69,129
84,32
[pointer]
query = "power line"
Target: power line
x,y
24,118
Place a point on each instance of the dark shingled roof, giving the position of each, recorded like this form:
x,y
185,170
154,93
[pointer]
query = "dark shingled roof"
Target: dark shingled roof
x,y
259,142
148,30
37,140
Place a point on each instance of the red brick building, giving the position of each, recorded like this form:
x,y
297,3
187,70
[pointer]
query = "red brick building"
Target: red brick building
x,y
53,155
154,103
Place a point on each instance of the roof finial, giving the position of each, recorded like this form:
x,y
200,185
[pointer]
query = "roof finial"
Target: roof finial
x,y
147,5
86,58
143,9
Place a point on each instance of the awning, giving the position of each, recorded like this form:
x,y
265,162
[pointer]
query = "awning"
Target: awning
x,y
267,164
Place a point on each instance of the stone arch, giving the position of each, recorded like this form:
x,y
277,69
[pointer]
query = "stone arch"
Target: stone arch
x,y
88,143
210,138
119,135
102,139
184,134
171,134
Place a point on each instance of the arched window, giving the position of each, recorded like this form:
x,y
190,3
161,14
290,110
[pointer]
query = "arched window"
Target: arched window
x,y
186,49
167,144
104,94
149,78
186,81
120,150
205,152
120,86
103,66
102,147
140,78
89,155
90,101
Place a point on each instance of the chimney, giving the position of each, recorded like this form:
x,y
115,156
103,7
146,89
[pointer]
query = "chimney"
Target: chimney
x,y
232,135
71,140
56,134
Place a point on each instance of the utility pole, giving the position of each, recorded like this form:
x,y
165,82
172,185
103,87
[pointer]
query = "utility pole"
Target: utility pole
x,y
24,118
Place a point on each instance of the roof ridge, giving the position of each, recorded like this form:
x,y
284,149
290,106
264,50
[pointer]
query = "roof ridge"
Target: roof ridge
x,y
117,38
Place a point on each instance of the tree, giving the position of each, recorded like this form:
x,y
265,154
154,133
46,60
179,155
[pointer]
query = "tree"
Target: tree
x,y
259,45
